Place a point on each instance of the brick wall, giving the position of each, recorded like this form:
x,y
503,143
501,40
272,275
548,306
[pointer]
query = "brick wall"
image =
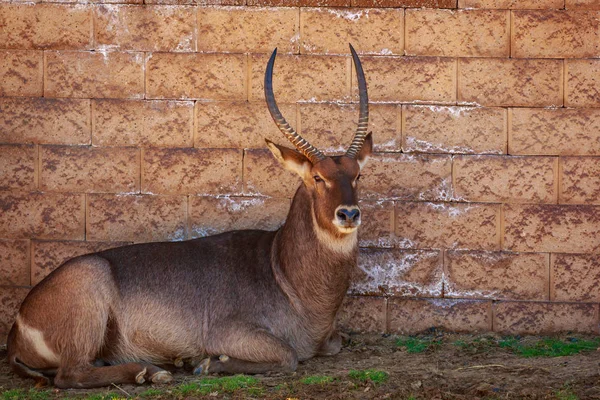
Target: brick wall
x,y
124,123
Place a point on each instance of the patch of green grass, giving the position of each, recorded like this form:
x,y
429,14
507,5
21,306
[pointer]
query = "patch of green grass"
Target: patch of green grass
x,y
151,393
21,394
317,380
566,394
105,396
416,344
369,375
549,347
227,384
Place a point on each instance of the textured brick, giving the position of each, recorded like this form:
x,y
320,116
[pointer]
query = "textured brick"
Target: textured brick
x,y
264,175
555,34
362,314
196,76
558,131
414,316
94,74
212,215
582,4
145,28
506,179
45,26
248,29
377,226
302,78
21,73
581,83
14,262
11,299
42,216
510,82
139,218
440,129
143,123
579,180
89,169
192,171
239,124
49,255
199,2
496,275
410,273
405,3
457,33
539,318
512,4
274,3
410,79
575,277
371,31
448,225
552,228
407,177
41,120
331,127
17,167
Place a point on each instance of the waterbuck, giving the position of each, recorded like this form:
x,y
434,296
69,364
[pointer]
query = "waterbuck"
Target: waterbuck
x,y
245,301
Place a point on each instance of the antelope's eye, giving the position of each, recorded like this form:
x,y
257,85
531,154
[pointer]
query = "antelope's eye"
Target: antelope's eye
x,y
317,178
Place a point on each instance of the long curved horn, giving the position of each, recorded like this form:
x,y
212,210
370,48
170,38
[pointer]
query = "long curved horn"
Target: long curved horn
x,y
303,146
363,119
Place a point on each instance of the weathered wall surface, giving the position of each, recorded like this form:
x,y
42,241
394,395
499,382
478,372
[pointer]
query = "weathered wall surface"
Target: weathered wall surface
x,y
124,123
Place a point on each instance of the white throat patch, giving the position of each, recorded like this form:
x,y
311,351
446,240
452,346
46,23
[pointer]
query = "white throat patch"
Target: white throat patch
x,y
343,246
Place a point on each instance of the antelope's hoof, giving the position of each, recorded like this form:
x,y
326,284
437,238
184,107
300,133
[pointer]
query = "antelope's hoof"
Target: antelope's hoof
x,y
203,367
161,377
178,362
139,378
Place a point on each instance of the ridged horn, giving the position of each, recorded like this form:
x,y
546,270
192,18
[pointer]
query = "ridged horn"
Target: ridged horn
x,y
363,118
303,146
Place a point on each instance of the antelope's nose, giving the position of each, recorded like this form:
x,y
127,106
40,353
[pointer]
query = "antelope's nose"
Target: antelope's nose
x,y
348,215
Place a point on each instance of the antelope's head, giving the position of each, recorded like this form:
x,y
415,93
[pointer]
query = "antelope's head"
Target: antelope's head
x,y
331,181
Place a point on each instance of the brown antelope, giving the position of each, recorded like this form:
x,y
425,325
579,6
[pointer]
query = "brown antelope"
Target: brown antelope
x,y
242,302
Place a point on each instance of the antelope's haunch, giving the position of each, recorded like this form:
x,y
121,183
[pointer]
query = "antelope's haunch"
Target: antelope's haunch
x,y
241,302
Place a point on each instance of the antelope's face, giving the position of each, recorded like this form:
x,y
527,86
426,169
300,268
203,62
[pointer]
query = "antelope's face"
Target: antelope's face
x,y
331,181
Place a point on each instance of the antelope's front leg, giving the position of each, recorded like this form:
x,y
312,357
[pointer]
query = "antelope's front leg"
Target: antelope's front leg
x,y
332,345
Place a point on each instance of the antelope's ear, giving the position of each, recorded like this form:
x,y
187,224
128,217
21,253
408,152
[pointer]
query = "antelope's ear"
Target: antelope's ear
x,y
365,151
291,159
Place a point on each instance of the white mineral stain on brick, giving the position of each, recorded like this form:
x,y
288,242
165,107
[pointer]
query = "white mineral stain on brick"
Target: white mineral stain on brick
x,y
348,15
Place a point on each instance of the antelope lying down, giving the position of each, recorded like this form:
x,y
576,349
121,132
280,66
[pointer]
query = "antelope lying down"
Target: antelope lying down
x,y
244,301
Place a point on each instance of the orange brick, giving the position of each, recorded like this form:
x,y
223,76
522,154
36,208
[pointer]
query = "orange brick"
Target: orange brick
x,y
440,129
512,4
414,316
89,169
94,74
407,176
377,226
552,228
14,262
557,131
41,120
496,275
192,171
581,85
371,31
274,3
212,215
579,180
554,34
49,255
196,76
145,28
544,318
510,82
21,73
198,2
11,299
410,79
410,273
582,4
302,78
320,3
505,179
227,29
331,127
17,167
42,216
362,314
405,3
143,123
239,124
575,277
139,218
263,175
448,225
457,33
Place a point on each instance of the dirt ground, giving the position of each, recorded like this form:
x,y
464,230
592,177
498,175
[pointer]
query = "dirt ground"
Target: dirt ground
x,y
456,367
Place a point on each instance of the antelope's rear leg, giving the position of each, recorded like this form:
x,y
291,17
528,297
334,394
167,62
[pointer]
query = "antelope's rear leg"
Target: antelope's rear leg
x,y
88,376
